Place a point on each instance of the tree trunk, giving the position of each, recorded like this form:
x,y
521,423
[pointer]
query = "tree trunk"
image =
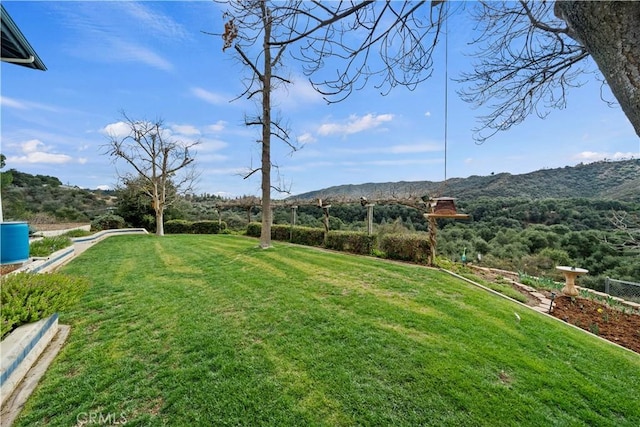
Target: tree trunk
x,y
265,232
610,31
159,222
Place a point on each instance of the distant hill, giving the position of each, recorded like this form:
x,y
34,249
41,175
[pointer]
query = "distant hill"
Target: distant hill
x,y
612,180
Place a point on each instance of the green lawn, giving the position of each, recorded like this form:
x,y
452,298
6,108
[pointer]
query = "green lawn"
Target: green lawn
x,y
210,330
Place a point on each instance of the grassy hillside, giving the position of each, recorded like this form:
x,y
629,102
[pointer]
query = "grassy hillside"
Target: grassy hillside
x,y
601,180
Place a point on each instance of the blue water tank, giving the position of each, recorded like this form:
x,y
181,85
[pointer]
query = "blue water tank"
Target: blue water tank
x,y
14,239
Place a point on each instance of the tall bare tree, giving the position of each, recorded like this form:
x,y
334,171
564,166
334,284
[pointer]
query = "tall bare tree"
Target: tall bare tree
x,y
529,53
252,24
162,166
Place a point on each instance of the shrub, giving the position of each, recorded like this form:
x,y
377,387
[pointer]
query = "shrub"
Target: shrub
x,y
28,297
48,245
351,241
254,229
178,226
281,232
307,236
107,222
406,247
207,227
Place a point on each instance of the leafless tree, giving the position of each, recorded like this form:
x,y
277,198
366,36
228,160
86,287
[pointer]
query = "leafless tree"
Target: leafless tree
x,y
162,166
251,30
629,227
529,53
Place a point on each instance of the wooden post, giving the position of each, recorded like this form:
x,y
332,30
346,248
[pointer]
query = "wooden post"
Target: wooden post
x,y
433,225
370,218
294,219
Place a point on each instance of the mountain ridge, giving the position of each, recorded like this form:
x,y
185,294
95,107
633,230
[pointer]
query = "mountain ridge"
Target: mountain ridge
x,y
614,180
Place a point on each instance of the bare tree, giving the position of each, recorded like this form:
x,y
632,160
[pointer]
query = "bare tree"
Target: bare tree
x,y
162,166
529,53
629,227
249,24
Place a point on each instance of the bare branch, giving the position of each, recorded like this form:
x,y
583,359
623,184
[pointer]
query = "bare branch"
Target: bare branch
x,y
157,160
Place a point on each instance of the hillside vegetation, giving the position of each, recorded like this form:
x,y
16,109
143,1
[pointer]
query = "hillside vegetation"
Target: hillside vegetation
x,y
33,197
600,180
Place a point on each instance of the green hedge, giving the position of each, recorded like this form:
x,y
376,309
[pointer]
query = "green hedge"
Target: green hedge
x,y
254,229
406,247
180,226
208,227
351,241
301,235
29,297
177,226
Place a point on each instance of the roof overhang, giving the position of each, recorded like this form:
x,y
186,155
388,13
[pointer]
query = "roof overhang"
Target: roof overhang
x,y
15,47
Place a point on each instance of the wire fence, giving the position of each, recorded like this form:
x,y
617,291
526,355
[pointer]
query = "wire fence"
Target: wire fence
x,y
629,291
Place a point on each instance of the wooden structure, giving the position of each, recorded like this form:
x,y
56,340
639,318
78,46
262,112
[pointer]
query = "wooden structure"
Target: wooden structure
x,y
439,207
444,207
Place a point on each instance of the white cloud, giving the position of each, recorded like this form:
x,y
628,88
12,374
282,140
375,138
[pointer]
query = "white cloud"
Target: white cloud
x,y
218,126
298,93
394,149
82,160
211,145
210,97
117,129
427,114
132,52
185,129
161,25
12,103
34,151
103,187
416,148
355,124
306,138
26,105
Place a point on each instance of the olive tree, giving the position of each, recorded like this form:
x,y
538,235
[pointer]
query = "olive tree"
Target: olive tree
x,y
162,166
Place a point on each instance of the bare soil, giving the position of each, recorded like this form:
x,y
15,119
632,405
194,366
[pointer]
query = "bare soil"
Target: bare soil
x,y
60,226
611,323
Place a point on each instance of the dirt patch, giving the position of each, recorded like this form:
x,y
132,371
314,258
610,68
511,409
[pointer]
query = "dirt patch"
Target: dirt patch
x,y
54,227
611,323
6,269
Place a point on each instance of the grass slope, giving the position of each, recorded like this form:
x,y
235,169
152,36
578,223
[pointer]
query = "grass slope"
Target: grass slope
x,y
211,330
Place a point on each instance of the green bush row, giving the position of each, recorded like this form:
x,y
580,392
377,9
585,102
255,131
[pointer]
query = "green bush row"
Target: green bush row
x,y
351,241
180,226
29,297
405,247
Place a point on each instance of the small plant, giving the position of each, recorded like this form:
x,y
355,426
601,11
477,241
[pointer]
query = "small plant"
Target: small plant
x,y
594,328
49,245
378,253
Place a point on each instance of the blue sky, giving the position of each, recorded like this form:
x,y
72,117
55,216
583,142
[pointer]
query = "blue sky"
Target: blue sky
x,y
152,60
